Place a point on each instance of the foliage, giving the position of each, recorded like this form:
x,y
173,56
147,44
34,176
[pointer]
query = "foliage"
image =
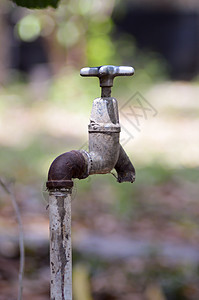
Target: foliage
x,y
37,3
44,118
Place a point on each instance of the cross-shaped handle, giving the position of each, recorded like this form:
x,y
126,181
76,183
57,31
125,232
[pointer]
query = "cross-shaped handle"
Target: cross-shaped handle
x,y
106,74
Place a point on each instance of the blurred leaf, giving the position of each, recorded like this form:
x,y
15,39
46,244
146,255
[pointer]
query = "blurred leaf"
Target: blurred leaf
x,y
28,28
68,33
37,3
81,285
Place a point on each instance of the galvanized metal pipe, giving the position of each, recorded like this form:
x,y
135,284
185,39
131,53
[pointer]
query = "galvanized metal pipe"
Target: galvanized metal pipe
x,y
60,244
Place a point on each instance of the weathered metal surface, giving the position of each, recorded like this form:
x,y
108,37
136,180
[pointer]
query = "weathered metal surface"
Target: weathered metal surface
x,y
65,167
60,244
106,92
106,74
104,131
104,146
125,169
105,153
104,115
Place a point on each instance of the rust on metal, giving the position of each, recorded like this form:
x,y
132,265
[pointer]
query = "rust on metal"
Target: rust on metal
x,y
65,167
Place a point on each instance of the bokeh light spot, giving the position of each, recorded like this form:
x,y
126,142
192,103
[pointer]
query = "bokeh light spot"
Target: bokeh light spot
x,y
29,28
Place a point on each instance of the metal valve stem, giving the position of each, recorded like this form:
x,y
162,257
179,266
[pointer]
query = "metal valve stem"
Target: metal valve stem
x,y
106,74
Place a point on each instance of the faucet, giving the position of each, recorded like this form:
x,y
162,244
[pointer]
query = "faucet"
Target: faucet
x,y
105,153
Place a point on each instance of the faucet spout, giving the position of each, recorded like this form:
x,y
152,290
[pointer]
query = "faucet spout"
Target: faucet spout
x,y
124,167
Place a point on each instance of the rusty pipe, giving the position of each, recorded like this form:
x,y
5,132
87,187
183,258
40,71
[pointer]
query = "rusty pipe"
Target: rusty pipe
x,y
65,167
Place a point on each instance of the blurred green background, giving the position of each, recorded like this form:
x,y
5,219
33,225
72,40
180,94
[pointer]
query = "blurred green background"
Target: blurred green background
x,y
130,242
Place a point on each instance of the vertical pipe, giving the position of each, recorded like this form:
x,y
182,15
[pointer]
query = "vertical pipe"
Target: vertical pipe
x,y
60,244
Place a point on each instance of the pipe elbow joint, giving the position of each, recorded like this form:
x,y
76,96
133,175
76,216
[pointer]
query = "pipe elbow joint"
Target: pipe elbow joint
x,y
65,167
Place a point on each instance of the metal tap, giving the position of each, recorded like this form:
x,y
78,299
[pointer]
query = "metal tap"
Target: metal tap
x,y
105,153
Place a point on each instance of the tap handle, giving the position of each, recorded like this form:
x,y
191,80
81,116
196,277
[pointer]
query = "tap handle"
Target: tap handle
x,y
106,74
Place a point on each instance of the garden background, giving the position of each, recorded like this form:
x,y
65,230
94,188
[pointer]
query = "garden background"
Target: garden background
x,y
130,242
